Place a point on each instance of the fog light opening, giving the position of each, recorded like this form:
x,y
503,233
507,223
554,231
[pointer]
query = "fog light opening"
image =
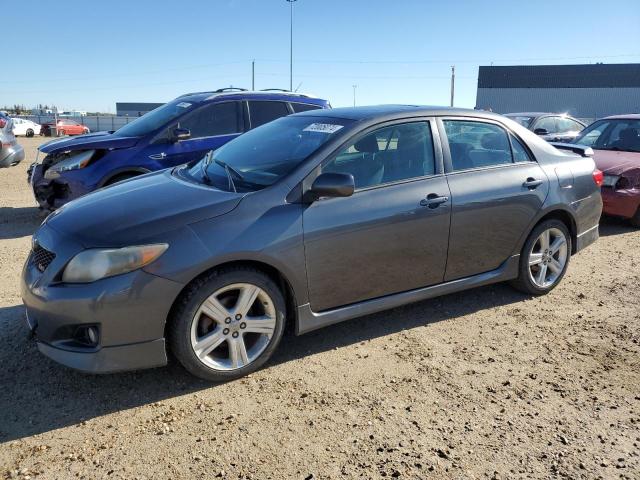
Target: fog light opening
x,y
88,335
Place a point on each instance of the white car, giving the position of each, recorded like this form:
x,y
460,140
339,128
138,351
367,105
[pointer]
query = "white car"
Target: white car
x,y
27,128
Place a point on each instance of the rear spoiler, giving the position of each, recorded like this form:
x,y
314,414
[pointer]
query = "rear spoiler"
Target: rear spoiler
x,y
579,149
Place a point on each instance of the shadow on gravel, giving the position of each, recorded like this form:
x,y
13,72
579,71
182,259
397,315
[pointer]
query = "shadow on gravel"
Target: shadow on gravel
x,y
615,226
37,395
19,222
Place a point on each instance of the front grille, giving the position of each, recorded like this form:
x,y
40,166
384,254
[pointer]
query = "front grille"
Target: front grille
x,y
41,258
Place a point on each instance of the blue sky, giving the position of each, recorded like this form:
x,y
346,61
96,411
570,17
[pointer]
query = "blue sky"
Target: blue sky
x,y
87,55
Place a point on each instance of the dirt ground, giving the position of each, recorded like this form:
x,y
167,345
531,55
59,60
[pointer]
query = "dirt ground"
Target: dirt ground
x,y
484,384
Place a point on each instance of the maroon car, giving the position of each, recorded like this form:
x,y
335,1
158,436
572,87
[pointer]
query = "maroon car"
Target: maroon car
x,y
616,144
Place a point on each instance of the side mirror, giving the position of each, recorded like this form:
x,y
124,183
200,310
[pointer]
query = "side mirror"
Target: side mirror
x,y
541,131
181,134
333,185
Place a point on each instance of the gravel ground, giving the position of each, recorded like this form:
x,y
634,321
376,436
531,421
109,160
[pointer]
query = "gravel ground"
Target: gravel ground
x,y
484,384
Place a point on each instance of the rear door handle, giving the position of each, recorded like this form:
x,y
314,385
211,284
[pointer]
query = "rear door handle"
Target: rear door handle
x,y
158,156
433,200
532,183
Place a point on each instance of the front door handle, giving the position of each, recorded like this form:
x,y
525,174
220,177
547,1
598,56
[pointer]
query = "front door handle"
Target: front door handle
x,y
433,200
158,156
532,183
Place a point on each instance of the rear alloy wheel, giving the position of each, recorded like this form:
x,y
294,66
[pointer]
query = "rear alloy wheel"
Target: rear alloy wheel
x,y
544,258
228,324
29,133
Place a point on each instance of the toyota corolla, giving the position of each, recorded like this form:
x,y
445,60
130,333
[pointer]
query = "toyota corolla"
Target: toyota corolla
x,y
312,219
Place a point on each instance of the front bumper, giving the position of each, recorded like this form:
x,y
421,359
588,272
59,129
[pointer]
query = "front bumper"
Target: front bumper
x,y
12,155
52,194
128,311
620,203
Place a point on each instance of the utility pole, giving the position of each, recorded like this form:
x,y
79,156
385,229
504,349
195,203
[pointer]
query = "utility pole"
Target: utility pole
x,y
354,94
453,83
253,74
291,46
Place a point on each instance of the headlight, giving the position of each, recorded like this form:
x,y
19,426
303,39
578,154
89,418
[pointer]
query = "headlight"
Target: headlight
x,y
91,265
74,162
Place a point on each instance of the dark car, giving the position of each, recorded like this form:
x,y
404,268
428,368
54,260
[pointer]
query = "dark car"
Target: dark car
x,y
177,132
311,219
553,127
616,142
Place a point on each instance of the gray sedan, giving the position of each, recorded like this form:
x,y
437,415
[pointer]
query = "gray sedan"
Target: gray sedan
x,y
312,219
10,152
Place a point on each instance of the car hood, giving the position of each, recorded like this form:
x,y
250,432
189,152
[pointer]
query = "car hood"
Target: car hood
x,y
138,209
89,141
616,163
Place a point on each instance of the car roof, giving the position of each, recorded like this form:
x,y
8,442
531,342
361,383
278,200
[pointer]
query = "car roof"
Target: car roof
x,y
272,94
535,114
628,116
397,111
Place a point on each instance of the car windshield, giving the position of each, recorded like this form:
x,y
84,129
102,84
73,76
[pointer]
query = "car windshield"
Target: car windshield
x,y
521,119
615,134
263,156
155,119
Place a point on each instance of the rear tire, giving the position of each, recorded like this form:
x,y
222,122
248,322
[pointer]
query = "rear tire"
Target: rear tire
x,y
544,258
635,220
227,324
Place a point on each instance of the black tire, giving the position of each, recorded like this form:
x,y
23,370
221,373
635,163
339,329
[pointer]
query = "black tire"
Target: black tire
x,y
121,178
524,282
635,220
29,133
180,323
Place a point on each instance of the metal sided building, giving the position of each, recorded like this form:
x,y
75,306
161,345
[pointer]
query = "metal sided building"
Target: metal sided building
x,y
136,109
583,91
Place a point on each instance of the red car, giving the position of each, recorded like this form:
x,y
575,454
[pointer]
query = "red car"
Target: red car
x,y
616,145
65,127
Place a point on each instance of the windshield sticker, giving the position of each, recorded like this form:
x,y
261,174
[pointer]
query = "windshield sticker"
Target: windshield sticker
x,y
184,104
323,128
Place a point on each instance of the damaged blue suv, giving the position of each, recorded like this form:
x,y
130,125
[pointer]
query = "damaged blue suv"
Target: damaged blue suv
x,y
175,133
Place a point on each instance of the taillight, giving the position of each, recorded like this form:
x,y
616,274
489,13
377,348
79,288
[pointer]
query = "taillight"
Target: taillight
x,y
3,122
598,177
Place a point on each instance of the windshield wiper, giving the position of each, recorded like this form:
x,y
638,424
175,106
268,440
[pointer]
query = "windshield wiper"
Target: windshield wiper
x,y
230,171
205,165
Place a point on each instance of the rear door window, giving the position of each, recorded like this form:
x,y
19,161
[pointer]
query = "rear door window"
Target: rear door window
x,y
477,145
303,107
261,112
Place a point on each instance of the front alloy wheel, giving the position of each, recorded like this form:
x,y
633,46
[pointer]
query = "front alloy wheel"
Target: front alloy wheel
x,y
233,326
227,324
544,258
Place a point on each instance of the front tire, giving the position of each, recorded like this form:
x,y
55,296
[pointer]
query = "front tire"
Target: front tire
x,y
121,178
227,324
29,133
544,258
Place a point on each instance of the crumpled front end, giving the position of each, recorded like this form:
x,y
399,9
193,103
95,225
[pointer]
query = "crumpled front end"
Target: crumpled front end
x,y
52,190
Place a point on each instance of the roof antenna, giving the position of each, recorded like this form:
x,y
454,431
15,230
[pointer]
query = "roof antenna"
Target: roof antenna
x,y
298,87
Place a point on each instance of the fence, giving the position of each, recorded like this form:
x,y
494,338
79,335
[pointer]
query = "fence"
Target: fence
x,y
95,123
